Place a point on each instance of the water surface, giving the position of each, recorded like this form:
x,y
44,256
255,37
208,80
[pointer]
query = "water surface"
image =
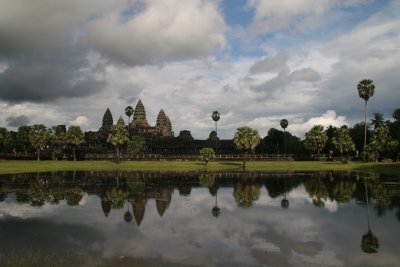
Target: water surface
x,y
200,219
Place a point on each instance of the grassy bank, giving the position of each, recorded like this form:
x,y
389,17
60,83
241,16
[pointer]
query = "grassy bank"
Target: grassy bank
x,y
7,166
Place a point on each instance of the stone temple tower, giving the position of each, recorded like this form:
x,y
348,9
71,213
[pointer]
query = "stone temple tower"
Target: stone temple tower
x,y
163,124
139,116
107,120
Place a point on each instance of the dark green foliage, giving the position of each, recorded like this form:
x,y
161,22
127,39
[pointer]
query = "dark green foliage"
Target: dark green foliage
x,y
136,144
357,134
57,139
3,137
382,146
23,138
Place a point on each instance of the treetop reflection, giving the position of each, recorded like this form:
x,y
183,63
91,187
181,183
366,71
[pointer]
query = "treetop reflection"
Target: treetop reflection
x,y
132,190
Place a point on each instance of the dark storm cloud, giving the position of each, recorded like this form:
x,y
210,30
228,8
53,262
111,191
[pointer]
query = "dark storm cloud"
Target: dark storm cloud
x,y
18,121
45,78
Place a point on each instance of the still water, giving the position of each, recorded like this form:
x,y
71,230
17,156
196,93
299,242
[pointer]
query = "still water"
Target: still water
x,y
199,219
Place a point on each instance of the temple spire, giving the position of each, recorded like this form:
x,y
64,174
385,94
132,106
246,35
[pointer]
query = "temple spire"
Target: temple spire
x,y
121,121
139,116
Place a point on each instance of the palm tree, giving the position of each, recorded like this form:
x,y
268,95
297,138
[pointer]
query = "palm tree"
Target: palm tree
x,y
285,201
366,89
74,138
284,124
216,116
57,137
38,137
117,137
246,139
129,113
369,242
216,211
378,121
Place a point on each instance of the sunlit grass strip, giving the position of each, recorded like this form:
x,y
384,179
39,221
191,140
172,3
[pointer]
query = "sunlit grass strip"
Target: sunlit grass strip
x,y
7,166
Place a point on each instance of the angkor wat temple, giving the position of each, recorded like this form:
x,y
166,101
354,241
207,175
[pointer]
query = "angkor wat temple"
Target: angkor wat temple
x,y
159,139
139,124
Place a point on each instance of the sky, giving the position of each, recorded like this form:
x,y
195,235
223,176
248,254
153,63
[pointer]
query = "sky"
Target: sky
x,y
255,61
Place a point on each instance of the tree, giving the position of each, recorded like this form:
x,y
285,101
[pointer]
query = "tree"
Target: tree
x,y
378,121
117,137
38,137
136,144
245,193
23,137
246,139
366,90
394,127
381,144
10,143
284,124
216,116
343,142
207,154
57,138
74,138
316,139
129,113
3,136
357,134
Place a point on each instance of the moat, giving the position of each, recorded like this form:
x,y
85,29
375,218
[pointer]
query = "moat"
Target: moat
x,y
200,219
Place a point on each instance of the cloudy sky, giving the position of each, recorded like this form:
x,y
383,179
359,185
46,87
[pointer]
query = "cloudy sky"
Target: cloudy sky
x,y
255,61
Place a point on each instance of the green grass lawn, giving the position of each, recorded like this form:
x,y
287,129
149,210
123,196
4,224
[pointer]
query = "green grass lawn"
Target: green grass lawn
x,y
9,166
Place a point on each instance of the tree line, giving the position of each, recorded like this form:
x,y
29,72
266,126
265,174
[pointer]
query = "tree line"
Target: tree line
x,y
382,140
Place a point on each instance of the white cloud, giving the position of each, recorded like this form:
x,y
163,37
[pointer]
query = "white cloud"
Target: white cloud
x,y
79,121
298,126
304,15
160,31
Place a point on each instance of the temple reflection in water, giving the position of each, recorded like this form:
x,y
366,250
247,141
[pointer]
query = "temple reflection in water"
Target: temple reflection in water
x,y
133,190
200,219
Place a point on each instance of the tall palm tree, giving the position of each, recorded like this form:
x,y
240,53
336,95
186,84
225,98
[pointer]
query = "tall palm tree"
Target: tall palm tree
x,y
366,90
129,113
284,124
216,116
